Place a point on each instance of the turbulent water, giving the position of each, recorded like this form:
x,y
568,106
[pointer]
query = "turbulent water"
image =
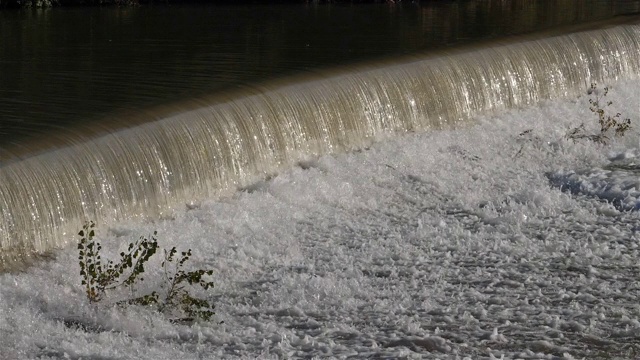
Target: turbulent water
x,y
474,243
214,149
425,208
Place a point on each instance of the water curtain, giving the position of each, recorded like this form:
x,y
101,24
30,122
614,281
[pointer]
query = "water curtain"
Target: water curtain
x,y
218,147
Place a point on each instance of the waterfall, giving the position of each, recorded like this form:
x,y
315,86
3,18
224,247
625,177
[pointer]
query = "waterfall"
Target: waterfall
x,y
226,144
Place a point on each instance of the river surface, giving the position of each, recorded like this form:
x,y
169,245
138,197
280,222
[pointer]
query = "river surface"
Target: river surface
x,y
471,227
97,67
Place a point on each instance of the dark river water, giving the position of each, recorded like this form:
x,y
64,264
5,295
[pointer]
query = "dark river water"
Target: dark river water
x,y
62,67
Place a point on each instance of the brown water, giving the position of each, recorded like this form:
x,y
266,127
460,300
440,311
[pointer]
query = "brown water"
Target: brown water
x,y
63,67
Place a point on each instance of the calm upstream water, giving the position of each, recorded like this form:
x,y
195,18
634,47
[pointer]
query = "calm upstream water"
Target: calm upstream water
x,y
96,67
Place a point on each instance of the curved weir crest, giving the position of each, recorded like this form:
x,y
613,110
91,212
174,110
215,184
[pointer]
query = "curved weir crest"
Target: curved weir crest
x,y
145,170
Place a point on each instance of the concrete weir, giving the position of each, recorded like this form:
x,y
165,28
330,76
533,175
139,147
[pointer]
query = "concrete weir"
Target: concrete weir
x,y
228,143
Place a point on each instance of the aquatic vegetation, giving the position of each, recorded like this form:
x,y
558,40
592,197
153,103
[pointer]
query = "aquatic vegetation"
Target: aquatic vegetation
x,y
608,123
101,276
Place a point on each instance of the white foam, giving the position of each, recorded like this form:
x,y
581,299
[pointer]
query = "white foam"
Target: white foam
x,y
617,183
447,244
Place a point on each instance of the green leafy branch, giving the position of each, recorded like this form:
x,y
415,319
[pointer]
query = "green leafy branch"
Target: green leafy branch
x,y
177,295
100,276
606,121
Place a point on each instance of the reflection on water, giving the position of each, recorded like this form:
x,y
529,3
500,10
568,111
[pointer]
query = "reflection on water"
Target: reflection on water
x,y
62,67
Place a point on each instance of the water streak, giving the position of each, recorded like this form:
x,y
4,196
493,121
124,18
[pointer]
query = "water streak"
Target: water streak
x,y
216,148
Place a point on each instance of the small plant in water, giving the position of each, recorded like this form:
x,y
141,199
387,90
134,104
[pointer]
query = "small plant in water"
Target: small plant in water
x,y
606,121
177,279
101,275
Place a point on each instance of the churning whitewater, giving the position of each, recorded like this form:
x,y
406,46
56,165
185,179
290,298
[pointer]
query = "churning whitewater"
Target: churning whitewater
x,y
426,209
216,149
475,243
